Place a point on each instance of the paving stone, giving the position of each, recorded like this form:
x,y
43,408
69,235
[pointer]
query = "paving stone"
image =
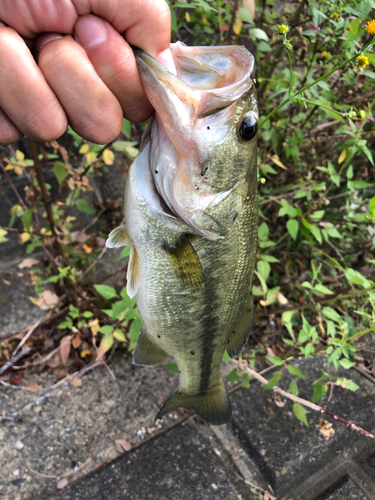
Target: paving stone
x,y
181,464
346,490
285,451
76,424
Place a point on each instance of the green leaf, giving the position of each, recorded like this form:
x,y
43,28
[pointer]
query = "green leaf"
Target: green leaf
x,y
319,390
264,269
257,33
27,218
245,15
275,360
233,376
68,323
106,291
292,227
106,329
83,206
293,388
323,289
317,215
269,258
105,344
263,231
315,231
345,363
263,46
331,314
128,302
87,314
172,366
134,332
352,185
119,335
300,412
287,209
3,233
60,171
294,370
246,380
126,128
347,384
125,252
273,381
226,357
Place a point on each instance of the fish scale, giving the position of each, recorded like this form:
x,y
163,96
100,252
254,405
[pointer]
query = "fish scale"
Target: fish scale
x,y
191,221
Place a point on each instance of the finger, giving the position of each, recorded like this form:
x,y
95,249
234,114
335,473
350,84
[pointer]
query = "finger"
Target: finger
x,y
114,62
9,133
25,96
145,24
93,111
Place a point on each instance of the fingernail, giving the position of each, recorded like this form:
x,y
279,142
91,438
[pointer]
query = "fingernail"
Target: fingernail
x,y
42,40
90,31
166,59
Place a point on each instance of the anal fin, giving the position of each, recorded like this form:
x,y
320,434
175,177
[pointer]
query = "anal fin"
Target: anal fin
x,y
213,405
241,332
147,352
186,265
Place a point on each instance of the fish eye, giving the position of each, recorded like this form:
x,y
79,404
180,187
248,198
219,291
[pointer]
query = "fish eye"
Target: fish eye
x,y
248,128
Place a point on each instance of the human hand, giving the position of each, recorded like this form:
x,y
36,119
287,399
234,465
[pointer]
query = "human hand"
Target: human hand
x,y
85,73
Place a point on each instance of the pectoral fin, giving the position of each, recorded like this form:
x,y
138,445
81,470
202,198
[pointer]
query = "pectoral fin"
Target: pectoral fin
x,y
147,352
186,265
118,238
133,274
241,332
212,406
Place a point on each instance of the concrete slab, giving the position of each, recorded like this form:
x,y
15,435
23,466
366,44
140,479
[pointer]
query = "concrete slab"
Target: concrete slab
x,y
287,452
77,425
181,464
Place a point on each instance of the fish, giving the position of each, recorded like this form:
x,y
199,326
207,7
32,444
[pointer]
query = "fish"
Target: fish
x,y
191,220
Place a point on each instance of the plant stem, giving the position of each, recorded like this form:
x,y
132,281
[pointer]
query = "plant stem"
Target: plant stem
x,y
321,106
291,72
326,75
312,406
45,197
22,203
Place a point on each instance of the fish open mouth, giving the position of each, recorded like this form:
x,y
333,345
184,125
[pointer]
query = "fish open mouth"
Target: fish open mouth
x,y
201,96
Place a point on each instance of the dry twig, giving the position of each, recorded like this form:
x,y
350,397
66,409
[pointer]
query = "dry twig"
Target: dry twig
x,y
312,406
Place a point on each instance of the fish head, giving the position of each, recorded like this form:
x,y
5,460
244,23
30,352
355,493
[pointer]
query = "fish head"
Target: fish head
x,y
203,134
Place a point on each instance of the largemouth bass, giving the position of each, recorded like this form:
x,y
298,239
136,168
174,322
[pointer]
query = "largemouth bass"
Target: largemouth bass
x,y
191,220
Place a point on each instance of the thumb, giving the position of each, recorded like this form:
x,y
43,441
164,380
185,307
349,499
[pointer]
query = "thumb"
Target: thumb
x,y
114,62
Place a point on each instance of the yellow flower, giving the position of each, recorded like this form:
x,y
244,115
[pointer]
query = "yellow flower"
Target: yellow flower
x,y
283,29
370,28
362,61
362,114
350,28
335,15
324,53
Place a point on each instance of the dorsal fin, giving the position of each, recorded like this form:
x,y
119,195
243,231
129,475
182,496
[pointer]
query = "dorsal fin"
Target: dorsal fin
x,y
133,274
213,406
186,264
118,238
241,332
147,352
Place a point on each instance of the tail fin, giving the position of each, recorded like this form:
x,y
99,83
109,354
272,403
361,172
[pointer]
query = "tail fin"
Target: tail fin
x,y
212,406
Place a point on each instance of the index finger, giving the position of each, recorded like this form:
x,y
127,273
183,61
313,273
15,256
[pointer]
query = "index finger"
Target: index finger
x,y
145,23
